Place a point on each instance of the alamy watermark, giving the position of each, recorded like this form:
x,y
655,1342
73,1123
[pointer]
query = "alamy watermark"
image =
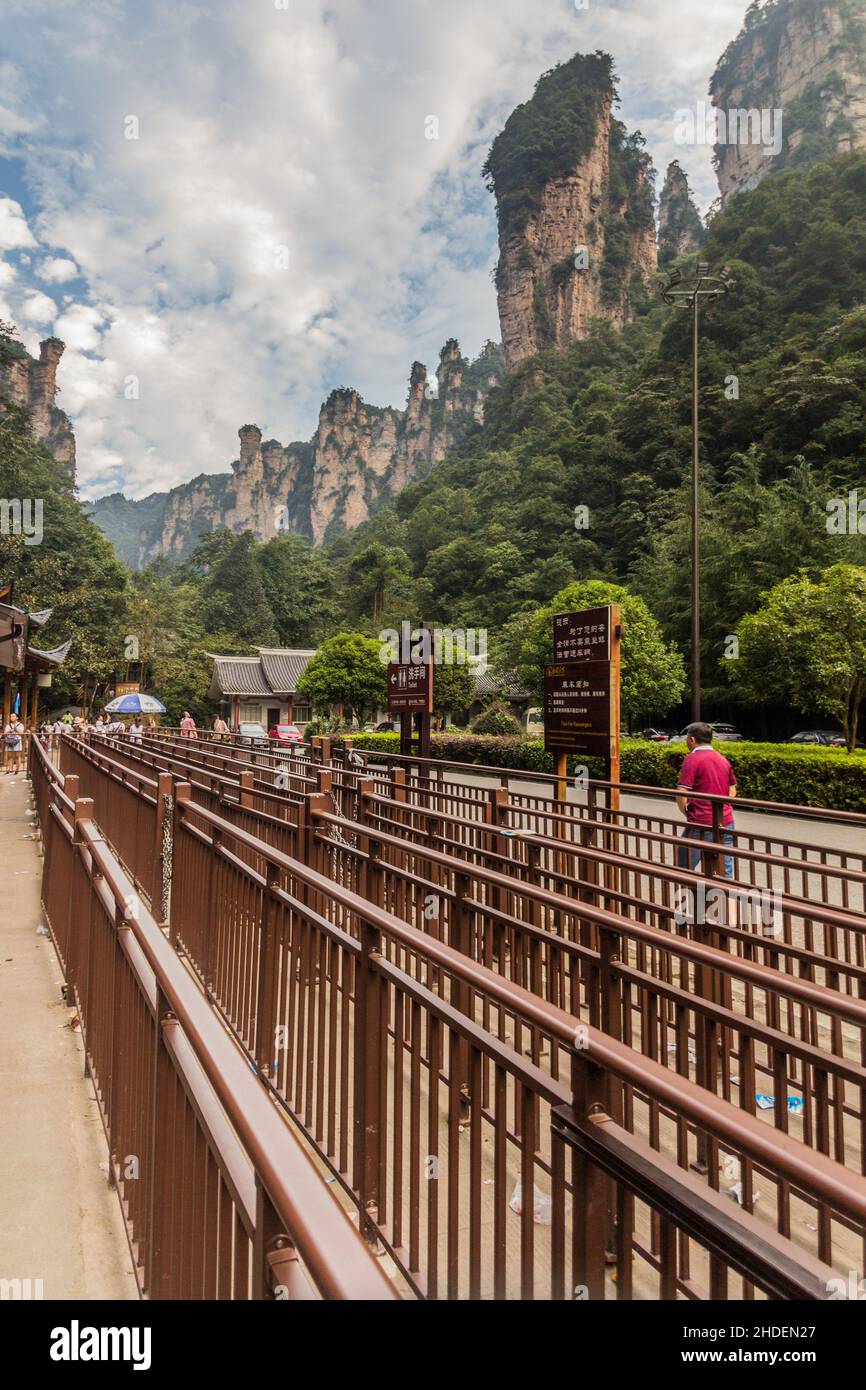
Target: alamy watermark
x,y
706,125
846,516
710,905
444,646
22,516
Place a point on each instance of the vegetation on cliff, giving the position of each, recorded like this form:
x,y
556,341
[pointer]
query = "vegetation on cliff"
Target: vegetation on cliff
x,y
545,137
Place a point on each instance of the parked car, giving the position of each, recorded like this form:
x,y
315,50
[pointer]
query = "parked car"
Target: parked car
x,y
286,733
387,726
658,735
254,734
825,738
722,733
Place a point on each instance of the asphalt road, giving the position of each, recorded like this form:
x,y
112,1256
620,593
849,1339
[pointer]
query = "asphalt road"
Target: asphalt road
x,y
825,834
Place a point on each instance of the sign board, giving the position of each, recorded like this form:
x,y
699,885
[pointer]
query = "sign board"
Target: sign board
x,y
579,707
583,636
126,688
14,623
410,687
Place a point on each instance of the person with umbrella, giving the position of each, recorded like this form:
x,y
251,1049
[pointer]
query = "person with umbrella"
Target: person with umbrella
x,y
137,705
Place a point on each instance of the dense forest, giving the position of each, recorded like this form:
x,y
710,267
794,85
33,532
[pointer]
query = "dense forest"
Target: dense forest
x,y
578,472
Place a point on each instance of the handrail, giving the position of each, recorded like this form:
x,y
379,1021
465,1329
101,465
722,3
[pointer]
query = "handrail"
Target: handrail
x,y
844,918
793,1160
854,818
819,996
313,1218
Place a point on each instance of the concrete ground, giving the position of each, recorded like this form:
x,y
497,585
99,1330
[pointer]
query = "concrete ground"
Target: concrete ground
x,y
60,1221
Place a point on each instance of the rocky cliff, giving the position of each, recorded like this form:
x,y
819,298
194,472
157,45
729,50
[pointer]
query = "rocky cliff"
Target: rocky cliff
x,y
790,89
359,456
681,230
32,384
574,202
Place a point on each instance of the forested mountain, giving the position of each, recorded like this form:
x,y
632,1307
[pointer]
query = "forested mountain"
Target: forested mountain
x,y
606,425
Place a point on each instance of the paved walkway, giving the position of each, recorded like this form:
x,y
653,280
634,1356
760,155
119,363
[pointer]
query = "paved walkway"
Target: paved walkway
x,y
59,1219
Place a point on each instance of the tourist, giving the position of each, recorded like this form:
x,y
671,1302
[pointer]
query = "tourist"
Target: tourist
x,y
187,726
135,730
12,743
704,770
220,727
151,727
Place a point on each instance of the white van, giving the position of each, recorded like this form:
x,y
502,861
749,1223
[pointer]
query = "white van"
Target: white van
x,y
535,722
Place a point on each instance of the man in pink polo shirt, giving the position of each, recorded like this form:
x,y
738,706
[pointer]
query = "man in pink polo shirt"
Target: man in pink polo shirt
x,y
704,769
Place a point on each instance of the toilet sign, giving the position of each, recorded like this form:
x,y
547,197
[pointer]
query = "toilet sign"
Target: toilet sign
x,y
410,687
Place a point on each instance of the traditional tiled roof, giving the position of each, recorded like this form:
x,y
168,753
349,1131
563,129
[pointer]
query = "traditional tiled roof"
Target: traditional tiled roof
x,y
41,618
487,682
52,658
275,671
238,675
283,667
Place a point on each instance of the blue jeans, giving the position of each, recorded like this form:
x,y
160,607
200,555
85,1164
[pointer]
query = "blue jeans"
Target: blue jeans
x,y
700,832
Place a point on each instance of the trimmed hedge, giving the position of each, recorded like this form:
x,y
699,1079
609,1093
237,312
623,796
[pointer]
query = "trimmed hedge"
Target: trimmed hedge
x,y
804,776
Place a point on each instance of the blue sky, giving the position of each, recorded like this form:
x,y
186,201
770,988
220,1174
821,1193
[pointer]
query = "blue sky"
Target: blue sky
x,y
280,223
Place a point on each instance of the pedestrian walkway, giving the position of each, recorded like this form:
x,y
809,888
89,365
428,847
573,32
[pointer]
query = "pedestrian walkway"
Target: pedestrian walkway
x,y
60,1221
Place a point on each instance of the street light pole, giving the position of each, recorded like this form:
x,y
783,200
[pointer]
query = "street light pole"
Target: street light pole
x,y
696,525
683,296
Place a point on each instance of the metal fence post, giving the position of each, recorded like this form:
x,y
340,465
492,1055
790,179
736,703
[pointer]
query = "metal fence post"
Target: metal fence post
x,y
83,811
592,1212
265,1034
368,1072
245,781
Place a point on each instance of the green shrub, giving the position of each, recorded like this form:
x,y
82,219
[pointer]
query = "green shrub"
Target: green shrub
x,y
802,776
496,719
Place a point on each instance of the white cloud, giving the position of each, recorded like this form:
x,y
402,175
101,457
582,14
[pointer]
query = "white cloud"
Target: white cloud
x,y
302,128
37,309
56,270
14,232
79,327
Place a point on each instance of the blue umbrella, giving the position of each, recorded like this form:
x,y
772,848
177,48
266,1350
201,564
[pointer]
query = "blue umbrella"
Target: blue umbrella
x,y
135,704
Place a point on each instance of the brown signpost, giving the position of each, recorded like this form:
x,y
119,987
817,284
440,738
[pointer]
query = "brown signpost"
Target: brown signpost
x,y
410,693
581,692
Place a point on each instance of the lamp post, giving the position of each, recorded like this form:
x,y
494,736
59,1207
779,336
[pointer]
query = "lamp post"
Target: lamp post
x,y
682,295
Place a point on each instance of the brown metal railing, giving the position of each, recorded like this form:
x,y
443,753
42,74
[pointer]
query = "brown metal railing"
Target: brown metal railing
x,y
218,1197
763,1017
775,860
369,1017
413,1068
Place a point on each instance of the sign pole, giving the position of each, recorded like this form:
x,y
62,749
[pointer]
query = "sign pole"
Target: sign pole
x,y
410,692
561,760
613,757
582,699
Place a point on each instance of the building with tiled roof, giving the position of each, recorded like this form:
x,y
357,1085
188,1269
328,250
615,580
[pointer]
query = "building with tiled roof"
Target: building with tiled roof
x,y
261,689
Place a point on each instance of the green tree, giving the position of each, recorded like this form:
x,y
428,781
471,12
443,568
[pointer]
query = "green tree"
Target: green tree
x,y
299,588
807,644
71,568
453,689
652,672
377,575
234,597
347,670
